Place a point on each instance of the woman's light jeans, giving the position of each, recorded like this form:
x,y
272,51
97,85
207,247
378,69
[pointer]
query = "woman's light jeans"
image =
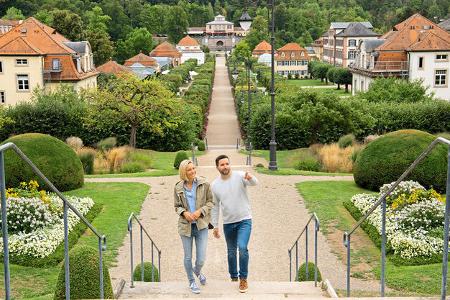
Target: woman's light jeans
x,y
201,240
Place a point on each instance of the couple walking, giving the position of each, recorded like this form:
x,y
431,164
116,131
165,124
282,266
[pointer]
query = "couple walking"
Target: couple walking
x,y
199,204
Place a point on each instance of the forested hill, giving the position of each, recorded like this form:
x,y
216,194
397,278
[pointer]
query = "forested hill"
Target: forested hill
x,y
119,28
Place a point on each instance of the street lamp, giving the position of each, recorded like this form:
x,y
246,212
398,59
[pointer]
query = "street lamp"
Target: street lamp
x,y
245,20
273,144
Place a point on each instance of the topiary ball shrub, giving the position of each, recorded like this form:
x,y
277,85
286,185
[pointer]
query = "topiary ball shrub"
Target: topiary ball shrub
x,y
386,158
84,276
56,160
311,270
201,145
181,155
346,140
147,272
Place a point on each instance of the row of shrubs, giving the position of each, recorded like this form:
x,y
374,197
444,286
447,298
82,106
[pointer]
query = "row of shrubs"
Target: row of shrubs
x,y
306,117
64,113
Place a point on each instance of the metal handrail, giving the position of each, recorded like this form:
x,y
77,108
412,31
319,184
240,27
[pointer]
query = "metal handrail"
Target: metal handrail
x,y
66,205
142,229
305,230
382,201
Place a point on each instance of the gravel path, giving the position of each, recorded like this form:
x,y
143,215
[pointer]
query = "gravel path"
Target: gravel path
x,y
279,213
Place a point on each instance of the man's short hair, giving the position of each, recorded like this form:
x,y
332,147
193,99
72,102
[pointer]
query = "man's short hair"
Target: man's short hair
x,y
222,156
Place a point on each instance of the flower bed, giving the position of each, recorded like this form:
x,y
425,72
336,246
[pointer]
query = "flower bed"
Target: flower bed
x,y
36,224
414,222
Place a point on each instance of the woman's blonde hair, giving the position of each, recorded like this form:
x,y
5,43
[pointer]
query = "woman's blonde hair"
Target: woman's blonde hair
x,y
183,167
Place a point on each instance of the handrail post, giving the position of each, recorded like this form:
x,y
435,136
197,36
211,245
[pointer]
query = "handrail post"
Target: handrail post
x,y
296,261
446,232
66,252
130,229
142,254
100,251
306,253
290,265
4,228
153,276
383,245
159,265
347,244
315,251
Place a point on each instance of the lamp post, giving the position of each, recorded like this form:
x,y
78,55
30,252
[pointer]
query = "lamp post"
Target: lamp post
x,y
248,65
273,144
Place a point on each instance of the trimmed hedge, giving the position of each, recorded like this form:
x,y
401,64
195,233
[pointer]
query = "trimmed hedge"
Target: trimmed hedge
x,y
147,272
385,159
58,255
181,155
56,160
84,276
311,270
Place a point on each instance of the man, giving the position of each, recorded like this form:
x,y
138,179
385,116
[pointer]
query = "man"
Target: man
x,y
230,193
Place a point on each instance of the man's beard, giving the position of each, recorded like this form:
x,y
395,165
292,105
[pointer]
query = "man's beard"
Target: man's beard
x,y
224,171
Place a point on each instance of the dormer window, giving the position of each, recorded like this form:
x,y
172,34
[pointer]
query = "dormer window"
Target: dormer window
x,y
282,54
441,56
293,54
302,54
56,64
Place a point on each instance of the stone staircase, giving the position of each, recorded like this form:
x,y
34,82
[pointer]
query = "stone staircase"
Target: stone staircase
x,y
216,289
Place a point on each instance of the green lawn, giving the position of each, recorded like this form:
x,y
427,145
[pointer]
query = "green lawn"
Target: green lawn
x,y
333,91
162,165
119,200
326,198
305,82
286,161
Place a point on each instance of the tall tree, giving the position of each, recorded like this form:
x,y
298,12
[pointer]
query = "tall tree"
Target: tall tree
x,y
13,14
139,40
258,32
131,100
97,35
68,24
177,24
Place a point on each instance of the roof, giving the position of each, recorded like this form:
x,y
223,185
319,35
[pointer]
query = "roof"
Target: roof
x,y
263,47
141,58
165,49
310,50
142,71
372,44
292,51
187,41
291,47
414,33
32,37
112,67
79,47
219,19
356,29
343,25
445,24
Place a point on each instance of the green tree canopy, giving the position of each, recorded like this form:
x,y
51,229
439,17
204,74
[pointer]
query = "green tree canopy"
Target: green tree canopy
x,y
13,14
68,24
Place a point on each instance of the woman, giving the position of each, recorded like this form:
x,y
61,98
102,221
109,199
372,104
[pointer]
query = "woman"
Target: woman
x,y
193,202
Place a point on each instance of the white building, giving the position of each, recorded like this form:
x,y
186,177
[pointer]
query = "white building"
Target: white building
x,y
416,49
342,39
189,49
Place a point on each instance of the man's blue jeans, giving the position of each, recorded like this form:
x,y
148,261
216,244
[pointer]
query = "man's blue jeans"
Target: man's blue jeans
x,y
237,236
201,241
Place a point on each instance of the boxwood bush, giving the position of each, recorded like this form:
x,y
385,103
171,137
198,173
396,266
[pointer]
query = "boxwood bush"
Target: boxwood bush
x,y
147,272
56,160
181,155
302,272
386,158
84,276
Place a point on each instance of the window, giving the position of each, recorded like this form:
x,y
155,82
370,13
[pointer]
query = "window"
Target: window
x,y
56,64
420,62
351,54
23,83
2,97
440,78
293,54
441,56
21,62
352,43
302,54
282,54
1,67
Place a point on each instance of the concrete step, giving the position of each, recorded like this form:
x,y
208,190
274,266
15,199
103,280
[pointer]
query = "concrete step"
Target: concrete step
x,y
215,289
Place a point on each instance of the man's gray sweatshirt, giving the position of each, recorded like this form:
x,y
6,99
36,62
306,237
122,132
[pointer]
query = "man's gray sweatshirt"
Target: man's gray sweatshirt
x,y
231,198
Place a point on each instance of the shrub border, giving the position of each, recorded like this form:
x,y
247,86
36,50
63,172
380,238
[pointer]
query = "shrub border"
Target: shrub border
x,y
58,255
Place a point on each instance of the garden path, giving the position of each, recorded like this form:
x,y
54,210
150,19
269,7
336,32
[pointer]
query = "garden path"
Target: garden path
x,y
278,212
